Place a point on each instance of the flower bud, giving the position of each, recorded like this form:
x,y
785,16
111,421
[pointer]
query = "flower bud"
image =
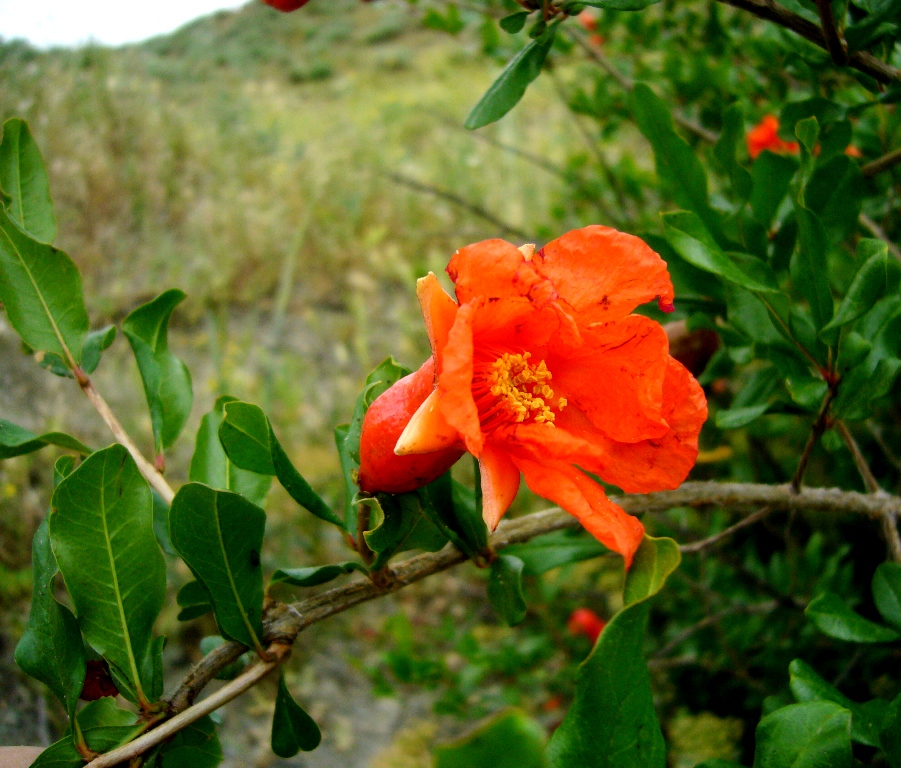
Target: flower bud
x,y
383,471
97,681
286,5
584,621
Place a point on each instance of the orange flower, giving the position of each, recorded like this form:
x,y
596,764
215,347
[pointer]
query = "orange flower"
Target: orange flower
x,y
541,369
765,135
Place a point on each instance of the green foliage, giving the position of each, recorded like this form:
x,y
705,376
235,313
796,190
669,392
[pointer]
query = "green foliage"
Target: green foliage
x,y
397,524
103,515
18,441
510,86
167,382
293,729
505,589
509,739
196,746
219,534
315,575
654,561
832,616
24,180
817,734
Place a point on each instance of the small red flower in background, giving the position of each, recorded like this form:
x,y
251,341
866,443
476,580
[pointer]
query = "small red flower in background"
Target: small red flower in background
x,y
588,20
584,621
286,5
765,135
541,369
97,681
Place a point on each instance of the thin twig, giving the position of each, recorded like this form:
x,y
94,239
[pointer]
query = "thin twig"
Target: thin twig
x,y
713,619
834,43
211,703
890,519
150,472
697,546
627,84
770,10
876,432
879,232
816,432
460,202
882,164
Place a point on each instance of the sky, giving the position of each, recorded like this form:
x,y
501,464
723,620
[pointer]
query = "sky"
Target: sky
x,y
112,22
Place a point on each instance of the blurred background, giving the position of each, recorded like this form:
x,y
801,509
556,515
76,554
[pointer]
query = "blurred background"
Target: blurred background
x,y
294,174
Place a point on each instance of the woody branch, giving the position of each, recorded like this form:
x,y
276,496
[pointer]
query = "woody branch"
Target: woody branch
x,y
284,622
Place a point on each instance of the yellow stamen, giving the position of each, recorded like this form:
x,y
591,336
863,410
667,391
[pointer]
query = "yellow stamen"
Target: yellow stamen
x,y
523,388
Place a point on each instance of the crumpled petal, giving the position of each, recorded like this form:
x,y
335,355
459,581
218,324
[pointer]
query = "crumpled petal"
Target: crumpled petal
x,y
438,311
586,500
495,269
455,381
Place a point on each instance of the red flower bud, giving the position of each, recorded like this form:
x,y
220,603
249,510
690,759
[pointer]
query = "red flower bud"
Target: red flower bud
x,y
286,5
584,621
97,681
381,470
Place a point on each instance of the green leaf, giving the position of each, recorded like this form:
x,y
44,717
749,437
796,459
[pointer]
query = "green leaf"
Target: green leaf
x,y
196,746
552,550
248,440
612,723
194,600
219,535
877,276
677,165
505,589
23,178
315,575
809,266
348,472
210,465
687,234
293,729
161,523
461,523
812,735
103,516
808,131
833,617
61,754
104,726
771,177
514,22
384,375
726,151
511,85
17,441
95,343
452,23
887,592
734,418
167,382
866,719
835,192
868,381
397,524
51,649
890,737
654,561
509,739
41,291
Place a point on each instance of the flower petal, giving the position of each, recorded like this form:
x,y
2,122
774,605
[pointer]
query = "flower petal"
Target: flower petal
x,y
455,381
585,499
496,269
427,430
500,482
603,274
656,464
616,377
438,310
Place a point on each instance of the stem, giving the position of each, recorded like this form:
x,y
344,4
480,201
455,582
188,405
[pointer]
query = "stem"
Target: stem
x,y
697,546
769,10
816,432
150,472
882,164
834,43
872,485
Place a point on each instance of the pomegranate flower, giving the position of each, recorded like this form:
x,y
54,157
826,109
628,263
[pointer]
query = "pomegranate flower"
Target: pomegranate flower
x,y
765,135
540,369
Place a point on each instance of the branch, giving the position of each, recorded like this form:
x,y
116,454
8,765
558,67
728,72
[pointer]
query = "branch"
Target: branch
x,y
284,622
770,10
460,202
834,43
697,546
877,231
627,84
882,164
151,473
816,432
